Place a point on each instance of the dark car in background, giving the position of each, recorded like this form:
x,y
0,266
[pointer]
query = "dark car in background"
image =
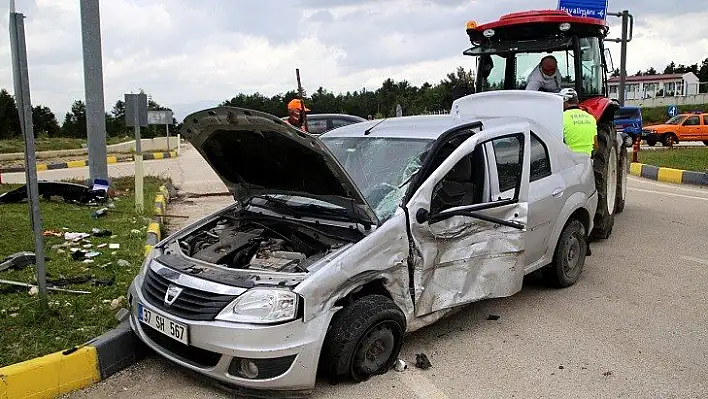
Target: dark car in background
x,y
628,120
320,123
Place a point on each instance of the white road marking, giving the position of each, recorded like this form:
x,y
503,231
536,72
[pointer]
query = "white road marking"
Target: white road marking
x,y
669,194
421,385
697,260
672,186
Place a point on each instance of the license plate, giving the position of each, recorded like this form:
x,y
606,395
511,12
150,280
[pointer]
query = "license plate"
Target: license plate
x,y
171,328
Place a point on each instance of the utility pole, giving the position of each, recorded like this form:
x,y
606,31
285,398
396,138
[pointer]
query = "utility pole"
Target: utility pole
x,y
627,33
93,86
24,108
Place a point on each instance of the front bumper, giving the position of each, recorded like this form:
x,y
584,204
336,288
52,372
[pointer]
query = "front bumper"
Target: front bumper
x,y
214,345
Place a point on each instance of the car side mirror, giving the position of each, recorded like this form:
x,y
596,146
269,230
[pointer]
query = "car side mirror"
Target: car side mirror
x,y
422,215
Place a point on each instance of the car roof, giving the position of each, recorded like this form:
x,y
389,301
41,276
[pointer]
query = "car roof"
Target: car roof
x,y
346,116
428,127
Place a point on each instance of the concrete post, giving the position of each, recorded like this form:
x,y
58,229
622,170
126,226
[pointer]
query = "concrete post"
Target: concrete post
x,y
93,86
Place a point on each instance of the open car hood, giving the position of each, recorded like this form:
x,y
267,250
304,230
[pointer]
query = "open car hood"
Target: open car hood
x,y
255,153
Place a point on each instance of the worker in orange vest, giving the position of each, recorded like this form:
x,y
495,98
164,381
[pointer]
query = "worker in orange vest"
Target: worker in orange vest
x,y
295,115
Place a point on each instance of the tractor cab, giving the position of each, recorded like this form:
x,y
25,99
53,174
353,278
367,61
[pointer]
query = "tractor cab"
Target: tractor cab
x,y
510,49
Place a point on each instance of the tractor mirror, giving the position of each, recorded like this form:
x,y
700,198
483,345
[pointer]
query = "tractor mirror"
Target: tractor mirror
x,y
486,65
608,60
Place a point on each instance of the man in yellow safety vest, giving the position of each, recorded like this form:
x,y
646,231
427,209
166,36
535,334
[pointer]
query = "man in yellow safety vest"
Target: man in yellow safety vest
x,y
579,127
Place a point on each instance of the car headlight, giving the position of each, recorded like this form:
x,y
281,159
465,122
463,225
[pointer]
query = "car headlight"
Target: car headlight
x,y
261,306
148,259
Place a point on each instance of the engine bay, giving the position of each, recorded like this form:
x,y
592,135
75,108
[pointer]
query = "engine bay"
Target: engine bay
x,y
258,243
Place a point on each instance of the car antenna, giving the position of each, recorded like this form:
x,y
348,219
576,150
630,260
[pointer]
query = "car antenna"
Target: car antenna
x,y
368,131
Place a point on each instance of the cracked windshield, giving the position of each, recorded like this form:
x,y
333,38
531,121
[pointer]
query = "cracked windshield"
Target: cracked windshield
x,y
381,167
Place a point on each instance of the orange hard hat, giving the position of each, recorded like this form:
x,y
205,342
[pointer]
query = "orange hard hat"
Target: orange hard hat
x,y
296,103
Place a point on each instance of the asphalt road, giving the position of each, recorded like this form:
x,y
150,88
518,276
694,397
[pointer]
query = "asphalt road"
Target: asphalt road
x,y
635,325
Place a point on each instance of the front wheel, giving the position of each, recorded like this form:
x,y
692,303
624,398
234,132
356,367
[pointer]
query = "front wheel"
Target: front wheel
x,y
651,142
569,258
705,142
605,168
364,339
668,140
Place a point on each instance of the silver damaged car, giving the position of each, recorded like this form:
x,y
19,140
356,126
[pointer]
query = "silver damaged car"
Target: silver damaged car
x,y
339,245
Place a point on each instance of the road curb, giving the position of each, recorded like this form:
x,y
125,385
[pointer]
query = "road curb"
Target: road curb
x,y
113,159
668,175
62,372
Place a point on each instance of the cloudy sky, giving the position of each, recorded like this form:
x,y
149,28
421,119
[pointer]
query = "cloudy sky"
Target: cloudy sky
x,y
190,54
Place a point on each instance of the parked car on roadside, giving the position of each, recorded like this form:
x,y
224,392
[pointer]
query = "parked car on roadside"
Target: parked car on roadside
x,y
338,245
628,120
682,127
320,123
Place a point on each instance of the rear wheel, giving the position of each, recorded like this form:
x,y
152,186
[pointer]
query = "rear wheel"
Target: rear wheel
x,y
569,258
364,339
605,168
622,169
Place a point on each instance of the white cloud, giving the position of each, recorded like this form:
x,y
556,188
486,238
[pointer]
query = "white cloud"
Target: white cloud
x,y
189,54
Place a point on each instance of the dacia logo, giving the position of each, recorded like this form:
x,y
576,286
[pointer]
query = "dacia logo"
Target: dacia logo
x,y
172,293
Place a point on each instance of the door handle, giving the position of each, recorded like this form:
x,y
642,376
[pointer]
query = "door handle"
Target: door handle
x,y
557,193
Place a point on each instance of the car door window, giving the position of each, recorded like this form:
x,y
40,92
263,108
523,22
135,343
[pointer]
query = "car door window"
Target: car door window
x,y
508,156
692,121
463,185
540,162
705,119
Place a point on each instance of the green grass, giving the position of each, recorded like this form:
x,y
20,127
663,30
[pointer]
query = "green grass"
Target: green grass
x,y
71,319
46,144
658,115
694,159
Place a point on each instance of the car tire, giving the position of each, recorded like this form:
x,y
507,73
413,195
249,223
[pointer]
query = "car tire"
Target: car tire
x,y
668,136
605,168
651,142
569,257
372,323
622,170
705,142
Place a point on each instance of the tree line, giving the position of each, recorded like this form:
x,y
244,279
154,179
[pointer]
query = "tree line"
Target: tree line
x,y
74,123
414,100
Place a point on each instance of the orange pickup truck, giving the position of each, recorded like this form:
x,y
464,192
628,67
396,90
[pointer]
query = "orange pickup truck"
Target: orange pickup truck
x,y
683,127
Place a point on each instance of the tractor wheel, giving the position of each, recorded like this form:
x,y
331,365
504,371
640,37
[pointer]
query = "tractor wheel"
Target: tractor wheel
x,y
622,169
605,168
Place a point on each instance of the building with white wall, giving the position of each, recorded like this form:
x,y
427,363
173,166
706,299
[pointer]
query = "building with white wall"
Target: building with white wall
x,y
654,86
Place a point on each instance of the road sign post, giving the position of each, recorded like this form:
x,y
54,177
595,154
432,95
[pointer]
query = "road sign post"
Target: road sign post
x,y
24,109
161,118
136,115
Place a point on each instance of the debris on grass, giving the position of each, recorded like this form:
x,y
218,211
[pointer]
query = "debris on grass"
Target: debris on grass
x,y
33,291
99,213
75,236
101,232
18,261
123,263
101,245
422,362
52,233
113,246
117,303
400,365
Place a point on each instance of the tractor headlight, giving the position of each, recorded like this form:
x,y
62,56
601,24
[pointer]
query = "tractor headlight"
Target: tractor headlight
x,y
564,27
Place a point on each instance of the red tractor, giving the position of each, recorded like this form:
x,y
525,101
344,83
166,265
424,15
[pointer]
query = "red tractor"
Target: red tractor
x,y
510,49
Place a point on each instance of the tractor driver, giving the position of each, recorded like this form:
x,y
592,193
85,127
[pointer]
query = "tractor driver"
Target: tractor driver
x,y
545,77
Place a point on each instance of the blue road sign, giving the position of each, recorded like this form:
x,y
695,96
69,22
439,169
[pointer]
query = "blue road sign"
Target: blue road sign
x,y
673,110
585,8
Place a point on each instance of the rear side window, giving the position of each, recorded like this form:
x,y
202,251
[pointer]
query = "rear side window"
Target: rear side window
x,y
316,126
340,122
540,162
705,119
692,121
